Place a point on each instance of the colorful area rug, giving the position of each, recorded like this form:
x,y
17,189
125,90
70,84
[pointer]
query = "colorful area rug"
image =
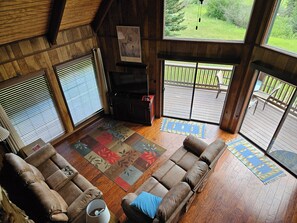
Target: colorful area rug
x,y
119,152
252,158
183,127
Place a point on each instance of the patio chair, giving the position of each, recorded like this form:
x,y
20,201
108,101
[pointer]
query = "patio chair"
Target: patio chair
x,y
265,96
221,85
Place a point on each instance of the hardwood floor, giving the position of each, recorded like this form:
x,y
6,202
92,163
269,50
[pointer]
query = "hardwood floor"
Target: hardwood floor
x,y
232,194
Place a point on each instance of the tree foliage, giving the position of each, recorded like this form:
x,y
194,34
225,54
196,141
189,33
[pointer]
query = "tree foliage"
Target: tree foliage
x,y
233,11
174,16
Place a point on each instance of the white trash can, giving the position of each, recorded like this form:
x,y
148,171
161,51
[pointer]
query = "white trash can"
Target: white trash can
x,y
97,212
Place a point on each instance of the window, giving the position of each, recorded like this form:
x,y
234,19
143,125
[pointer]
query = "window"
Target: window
x,y
283,30
79,85
31,109
220,19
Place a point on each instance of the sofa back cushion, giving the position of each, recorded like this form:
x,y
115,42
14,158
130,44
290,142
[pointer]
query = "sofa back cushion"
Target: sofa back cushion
x,y
212,150
49,201
194,145
25,171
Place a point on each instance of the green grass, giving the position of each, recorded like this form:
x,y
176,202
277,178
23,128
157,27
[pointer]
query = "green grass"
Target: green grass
x,y
213,29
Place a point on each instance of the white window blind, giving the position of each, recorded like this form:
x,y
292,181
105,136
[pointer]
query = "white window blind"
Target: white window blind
x,y
79,85
30,107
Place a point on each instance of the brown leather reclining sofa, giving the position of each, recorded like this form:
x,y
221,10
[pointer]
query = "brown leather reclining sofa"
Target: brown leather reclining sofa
x,y
48,187
178,180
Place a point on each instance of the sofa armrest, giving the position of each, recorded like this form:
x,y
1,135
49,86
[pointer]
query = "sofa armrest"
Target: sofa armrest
x,y
41,155
174,202
213,151
79,204
194,145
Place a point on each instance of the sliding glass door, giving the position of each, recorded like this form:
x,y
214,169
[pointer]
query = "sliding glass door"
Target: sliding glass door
x,y
195,91
178,89
284,145
270,121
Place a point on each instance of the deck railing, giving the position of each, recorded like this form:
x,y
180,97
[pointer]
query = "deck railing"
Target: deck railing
x,y
183,74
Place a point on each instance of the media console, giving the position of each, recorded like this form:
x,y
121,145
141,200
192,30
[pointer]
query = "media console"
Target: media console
x,y
133,108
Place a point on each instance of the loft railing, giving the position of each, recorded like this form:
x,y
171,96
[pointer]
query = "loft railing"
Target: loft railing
x,y
183,74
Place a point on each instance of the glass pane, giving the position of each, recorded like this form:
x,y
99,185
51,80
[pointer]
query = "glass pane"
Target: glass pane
x,y
178,84
80,89
283,31
284,148
266,108
32,112
212,83
220,19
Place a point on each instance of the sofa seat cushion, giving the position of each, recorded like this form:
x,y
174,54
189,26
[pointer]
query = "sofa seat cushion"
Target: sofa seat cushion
x,y
196,174
179,194
184,158
169,174
212,151
187,161
58,179
152,186
48,168
147,203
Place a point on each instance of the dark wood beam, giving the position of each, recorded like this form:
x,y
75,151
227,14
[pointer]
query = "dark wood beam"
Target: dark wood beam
x,y
55,20
101,13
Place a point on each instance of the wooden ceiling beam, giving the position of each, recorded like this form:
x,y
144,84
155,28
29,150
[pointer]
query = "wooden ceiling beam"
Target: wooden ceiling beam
x,y
55,20
101,14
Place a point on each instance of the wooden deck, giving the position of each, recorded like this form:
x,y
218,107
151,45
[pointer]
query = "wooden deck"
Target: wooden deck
x,y
258,127
206,107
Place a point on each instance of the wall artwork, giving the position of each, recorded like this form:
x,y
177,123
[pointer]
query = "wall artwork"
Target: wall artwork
x,y
129,43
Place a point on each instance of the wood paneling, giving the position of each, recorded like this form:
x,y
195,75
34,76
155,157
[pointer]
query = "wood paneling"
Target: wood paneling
x,y
20,19
79,12
28,56
148,15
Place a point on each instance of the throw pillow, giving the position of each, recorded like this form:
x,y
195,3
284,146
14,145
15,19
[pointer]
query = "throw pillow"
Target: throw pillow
x,y
147,203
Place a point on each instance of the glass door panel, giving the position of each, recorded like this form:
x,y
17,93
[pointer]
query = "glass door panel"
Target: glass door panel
x,y
265,110
212,82
284,146
178,88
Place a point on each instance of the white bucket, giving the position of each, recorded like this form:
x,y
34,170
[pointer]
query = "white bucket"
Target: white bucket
x,y
97,204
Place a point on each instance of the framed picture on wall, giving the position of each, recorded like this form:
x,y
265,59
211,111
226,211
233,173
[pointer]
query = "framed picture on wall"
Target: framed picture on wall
x,y
129,43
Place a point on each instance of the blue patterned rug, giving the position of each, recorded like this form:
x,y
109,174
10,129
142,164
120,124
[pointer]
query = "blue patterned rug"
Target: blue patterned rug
x,y
183,127
265,169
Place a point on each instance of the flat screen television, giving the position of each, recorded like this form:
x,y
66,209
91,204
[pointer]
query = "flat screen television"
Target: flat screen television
x,y
128,83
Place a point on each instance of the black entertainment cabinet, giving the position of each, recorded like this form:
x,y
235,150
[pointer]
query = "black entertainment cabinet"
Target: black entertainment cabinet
x,y
128,105
133,108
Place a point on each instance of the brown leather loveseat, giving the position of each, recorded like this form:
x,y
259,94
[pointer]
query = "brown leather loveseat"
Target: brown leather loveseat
x,y
178,180
48,187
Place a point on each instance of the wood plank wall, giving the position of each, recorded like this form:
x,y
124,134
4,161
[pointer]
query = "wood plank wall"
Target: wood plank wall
x,y
31,55
148,15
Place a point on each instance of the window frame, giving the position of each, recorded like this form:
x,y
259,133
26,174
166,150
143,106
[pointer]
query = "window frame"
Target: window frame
x,y
264,42
42,72
69,63
204,40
